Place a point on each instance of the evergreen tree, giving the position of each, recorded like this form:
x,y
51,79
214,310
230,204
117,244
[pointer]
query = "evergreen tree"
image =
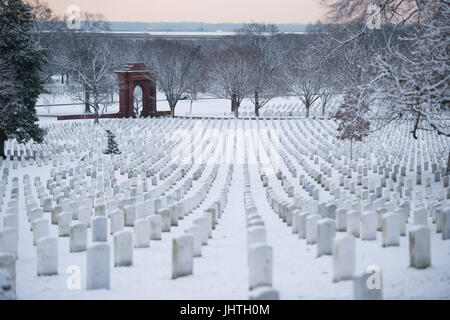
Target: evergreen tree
x,y
113,148
24,58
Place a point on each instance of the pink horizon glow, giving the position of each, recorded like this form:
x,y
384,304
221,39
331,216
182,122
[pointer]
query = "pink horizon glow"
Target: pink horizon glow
x,y
212,11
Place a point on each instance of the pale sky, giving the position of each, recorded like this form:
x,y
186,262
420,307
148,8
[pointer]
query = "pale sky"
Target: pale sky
x,y
215,11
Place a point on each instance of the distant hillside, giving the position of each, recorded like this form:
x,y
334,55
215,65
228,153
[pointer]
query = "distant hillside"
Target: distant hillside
x,y
192,26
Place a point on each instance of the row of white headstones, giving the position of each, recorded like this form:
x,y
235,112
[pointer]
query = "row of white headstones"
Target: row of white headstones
x,y
318,222
144,229
64,220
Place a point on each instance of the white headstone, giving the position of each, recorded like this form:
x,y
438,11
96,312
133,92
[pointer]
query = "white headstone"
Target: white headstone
x,y
256,235
40,230
354,223
420,247
98,266
6,286
311,228
344,258
369,223
390,229
9,240
260,265
142,233
47,256
8,262
99,229
420,216
78,237
326,230
165,219
196,233
123,249
155,227
341,220
64,221
130,215
182,256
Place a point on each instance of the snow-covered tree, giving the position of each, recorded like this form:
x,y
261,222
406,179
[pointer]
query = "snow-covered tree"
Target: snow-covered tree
x,y
409,68
23,59
113,148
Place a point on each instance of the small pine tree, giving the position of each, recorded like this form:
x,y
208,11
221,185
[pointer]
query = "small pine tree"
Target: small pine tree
x,y
353,126
113,148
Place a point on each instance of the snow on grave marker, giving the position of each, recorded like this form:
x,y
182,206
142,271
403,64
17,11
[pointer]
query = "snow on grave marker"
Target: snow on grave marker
x,y
341,220
260,265
123,249
256,235
11,221
47,256
99,229
6,286
165,219
311,228
130,215
196,233
64,221
344,258
420,216
204,225
78,237
8,262
9,240
369,225
142,233
390,229
182,256
326,230
155,226
98,266
40,230
117,221
56,211
354,223
420,247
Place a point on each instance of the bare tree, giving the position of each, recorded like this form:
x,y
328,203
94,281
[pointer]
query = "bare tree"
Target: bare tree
x,y
138,103
229,72
92,61
265,61
46,30
174,64
302,78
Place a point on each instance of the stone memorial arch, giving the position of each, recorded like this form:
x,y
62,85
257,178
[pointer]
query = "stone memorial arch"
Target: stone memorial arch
x,y
132,76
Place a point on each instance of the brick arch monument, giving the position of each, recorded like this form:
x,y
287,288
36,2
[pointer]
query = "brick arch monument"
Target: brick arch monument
x,y
132,76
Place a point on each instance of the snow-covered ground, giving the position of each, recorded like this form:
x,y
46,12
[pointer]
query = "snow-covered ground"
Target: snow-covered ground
x,y
205,106
222,271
